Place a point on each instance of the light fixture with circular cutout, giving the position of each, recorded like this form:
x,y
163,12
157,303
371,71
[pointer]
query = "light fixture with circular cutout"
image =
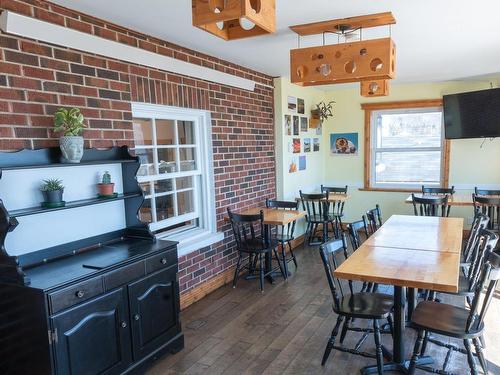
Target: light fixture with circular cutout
x,y
325,69
246,24
350,67
373,88
255,4
376,64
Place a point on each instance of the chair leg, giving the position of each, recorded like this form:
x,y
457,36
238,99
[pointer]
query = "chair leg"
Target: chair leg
x,y
340,225
237,271
283,259
470,357
282,270
391,324
331,342
483,343
345,327
292,254
325,232
480,354
424,344
261,273
378,347
416,352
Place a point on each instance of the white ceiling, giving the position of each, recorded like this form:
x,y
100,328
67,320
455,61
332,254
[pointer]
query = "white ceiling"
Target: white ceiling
x,y
436,40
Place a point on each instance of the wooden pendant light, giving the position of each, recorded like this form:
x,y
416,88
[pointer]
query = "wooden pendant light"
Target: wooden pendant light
x,y
235,19
371,62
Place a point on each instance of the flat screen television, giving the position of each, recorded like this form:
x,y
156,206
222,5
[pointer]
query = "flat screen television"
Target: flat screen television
x,y
473,114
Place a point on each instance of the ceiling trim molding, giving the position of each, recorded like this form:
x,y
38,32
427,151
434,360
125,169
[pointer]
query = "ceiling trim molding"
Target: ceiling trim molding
x,y
33,28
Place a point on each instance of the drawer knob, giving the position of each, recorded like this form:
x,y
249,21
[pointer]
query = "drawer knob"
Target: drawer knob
x,y
80,294
137,317
124,324
163,260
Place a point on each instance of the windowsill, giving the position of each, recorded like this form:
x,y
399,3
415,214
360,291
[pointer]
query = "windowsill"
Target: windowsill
x,y
193,240
394,190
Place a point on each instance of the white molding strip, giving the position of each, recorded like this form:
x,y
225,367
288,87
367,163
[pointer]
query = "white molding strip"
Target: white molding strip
x,y
33,28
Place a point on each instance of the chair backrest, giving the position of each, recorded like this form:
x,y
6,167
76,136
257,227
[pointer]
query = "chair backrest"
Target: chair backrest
x,y
490,207
314,204
430,206
248,230
479,253
336,206
490,274
329,253
486,192
437,190
354,228
374,219
480,223
334,189
289,228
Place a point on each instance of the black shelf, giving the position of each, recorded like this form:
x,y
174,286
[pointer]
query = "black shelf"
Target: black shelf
x,y
62,165
73,204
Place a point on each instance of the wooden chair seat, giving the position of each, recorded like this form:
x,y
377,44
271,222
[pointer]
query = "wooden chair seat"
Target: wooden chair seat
x,y
255,245
366,305
445,320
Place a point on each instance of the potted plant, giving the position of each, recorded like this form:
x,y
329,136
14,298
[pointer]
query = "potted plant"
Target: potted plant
x,y
52,190
106,187
70,123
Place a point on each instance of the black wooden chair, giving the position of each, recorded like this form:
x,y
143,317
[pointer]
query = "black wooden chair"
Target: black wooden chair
x,y
428,190
335,208
284,233
489,206
317,214
480,223
430,206
350,304
373,219
250,241
486,192
457,322
354,229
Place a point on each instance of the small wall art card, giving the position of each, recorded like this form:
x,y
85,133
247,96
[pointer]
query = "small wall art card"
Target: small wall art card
x,y
303,124
292,104
316,144
288,125
296,125
319,129
301,108
296,145
307,144
344,144
302,163
292,164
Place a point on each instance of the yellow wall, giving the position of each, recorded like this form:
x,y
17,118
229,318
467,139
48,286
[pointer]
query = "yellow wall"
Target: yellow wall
x,y
470,165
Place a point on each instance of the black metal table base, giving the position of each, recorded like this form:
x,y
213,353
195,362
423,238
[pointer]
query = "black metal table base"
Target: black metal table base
x,y
402,368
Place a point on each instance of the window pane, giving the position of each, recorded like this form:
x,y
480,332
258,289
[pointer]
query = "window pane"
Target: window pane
x,y
165,132
143,131
184,182
166,160
147,162
145,212
405,130
185,202
179,227
185,130
164,207
163,186
188,162
414,167
146,187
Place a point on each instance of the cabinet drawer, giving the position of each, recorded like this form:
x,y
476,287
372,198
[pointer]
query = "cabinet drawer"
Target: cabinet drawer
x,y
75,294
161,261
124,275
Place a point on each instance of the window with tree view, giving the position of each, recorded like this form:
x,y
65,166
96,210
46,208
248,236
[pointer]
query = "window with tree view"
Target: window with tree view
x,y
406,148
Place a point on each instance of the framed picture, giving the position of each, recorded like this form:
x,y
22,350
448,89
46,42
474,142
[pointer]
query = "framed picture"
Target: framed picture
x,y
292,104
303,124
296,125
296,145
307,144
316,144
302,163
292,165
319,129
301,108
344,144
288,125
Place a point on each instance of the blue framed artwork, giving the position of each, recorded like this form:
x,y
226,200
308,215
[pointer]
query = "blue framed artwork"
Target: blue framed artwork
x,y
302,163
344,144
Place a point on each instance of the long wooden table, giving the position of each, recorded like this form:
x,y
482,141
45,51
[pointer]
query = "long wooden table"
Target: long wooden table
x,y
408,252
457,199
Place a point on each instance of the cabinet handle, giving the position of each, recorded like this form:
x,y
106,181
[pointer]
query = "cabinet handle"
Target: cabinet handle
x,y
163,260
137,317
124,324
80,293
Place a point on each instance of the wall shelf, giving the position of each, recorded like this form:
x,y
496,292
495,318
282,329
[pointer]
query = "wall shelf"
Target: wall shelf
x,y
62,165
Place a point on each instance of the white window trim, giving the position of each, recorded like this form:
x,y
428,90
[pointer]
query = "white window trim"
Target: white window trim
x,y
374,149
196,238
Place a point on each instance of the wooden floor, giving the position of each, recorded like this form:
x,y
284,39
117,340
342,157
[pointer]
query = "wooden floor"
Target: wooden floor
x,y
285,330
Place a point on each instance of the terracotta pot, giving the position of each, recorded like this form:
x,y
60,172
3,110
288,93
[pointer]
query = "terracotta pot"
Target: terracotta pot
x,y
106,189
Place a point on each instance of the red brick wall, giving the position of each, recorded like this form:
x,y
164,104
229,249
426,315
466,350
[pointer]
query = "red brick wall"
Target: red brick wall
x,y
38,78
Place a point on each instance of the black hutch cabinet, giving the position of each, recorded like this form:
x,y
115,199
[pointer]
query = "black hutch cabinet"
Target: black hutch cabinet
x,y
105,304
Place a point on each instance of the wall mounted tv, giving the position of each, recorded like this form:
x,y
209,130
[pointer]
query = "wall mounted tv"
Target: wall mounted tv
x,y
473,114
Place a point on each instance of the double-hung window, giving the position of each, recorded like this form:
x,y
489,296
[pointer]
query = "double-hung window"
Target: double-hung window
x,y
406,147
176,173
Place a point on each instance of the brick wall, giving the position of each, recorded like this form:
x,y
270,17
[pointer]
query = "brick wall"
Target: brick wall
x,y
38,78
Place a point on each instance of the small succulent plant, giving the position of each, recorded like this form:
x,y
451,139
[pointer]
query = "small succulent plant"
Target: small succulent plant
x,y
52,184
106,178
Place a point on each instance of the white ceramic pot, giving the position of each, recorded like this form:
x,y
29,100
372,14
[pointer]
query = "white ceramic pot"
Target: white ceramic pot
x,y
71,148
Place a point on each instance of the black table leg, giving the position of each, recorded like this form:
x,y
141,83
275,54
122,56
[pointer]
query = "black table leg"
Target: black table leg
x,y
412,302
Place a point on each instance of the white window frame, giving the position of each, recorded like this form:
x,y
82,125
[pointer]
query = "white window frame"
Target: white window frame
x,y
190,238
374,150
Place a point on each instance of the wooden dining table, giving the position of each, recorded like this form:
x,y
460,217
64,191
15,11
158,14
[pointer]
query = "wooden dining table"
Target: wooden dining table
x,y
456,199
408,252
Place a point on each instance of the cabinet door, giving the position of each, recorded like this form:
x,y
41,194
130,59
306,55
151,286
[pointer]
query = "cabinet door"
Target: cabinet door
x,y
154,310
93,338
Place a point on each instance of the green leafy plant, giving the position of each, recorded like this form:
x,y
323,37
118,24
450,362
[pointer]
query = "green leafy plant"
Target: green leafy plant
x,y
52,184
106,178
69,121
